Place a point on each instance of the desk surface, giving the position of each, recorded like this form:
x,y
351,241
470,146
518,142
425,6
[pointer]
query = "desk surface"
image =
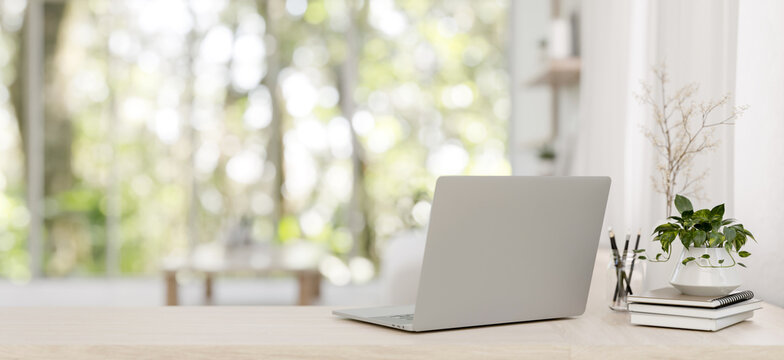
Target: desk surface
x,y
312,332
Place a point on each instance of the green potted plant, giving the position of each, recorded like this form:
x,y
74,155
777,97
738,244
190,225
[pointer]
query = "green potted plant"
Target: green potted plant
x,y
707,266
546,154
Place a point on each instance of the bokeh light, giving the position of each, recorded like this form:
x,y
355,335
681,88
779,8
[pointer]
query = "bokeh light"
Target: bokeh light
x,y
200,113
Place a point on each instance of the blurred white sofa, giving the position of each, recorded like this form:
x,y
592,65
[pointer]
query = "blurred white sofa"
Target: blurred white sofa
x,y
400,267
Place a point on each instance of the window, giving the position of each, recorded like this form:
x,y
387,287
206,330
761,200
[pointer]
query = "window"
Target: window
x,y
167,124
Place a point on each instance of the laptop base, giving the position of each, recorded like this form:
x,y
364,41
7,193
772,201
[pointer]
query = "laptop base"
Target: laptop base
x,y
396,317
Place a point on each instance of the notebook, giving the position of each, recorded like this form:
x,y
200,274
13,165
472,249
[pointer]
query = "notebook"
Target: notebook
x,y
683,322
724,311
671,296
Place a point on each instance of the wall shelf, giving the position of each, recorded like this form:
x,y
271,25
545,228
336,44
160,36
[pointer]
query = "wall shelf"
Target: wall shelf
x,y
559,72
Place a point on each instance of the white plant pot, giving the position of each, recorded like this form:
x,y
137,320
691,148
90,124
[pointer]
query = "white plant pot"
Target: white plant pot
x,y
693,279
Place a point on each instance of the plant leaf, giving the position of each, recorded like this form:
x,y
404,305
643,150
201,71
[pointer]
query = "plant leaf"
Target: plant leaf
x,y
638,251
744,254
718,211
729,233
699,238
682,204
704,226
721,261
703,216
742,264
740,239
705,256
642,257
715,225
665,227
686,260
686,238
715,239
748,233
666,239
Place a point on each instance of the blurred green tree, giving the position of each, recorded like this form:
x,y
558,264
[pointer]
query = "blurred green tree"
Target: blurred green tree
x,y
325,121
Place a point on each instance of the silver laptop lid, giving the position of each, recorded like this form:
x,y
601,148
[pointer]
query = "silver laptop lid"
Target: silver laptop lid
x,y
507,249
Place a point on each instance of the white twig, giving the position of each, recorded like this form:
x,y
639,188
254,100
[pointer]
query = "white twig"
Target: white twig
x,y
682,129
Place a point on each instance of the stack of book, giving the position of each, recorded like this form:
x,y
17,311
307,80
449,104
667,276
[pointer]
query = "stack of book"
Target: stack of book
x,y
667,307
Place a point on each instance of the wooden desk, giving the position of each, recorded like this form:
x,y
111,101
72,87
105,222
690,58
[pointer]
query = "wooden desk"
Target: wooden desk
x,y
312,332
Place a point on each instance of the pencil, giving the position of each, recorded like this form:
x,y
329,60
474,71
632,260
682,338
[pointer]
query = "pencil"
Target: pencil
x,y
631,268
617,260
625,249
614,247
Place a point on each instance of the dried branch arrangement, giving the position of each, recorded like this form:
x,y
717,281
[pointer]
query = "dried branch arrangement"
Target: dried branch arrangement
x,y
682,129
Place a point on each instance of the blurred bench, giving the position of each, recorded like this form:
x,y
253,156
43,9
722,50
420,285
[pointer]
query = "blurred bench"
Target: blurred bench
x,y
212,261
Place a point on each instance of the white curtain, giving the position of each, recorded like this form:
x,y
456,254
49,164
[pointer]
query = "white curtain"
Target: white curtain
x,y
759,150
622,41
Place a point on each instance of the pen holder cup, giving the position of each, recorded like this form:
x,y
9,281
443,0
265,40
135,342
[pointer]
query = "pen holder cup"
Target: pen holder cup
x,y
624,277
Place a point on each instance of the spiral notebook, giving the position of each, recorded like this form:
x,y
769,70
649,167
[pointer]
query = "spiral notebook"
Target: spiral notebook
x,y
671,296
697,312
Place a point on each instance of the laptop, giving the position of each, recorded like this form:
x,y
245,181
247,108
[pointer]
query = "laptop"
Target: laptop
x,y
503,249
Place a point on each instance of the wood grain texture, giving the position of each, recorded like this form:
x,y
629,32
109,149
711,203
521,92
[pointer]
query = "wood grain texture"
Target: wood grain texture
x,y
199,352
313,333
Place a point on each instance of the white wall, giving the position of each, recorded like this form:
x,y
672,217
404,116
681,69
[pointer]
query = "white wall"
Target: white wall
x,y
759,150
530,119
530,122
